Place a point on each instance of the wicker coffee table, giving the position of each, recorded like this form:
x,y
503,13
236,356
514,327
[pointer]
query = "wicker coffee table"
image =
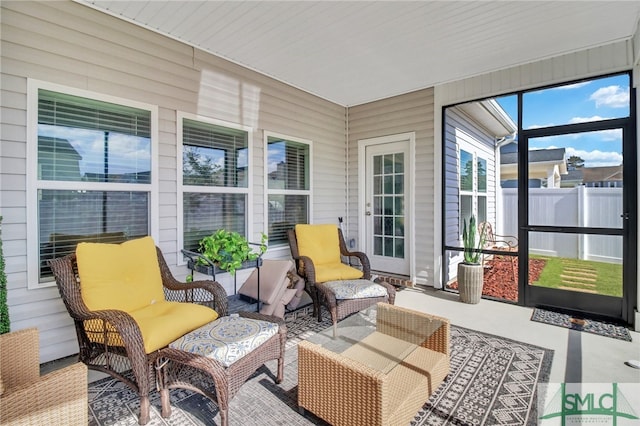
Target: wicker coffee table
x,y
228,368
380,369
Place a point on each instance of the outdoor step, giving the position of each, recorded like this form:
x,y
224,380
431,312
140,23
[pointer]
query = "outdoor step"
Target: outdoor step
x,y
569,282
575,277
583,290
580,271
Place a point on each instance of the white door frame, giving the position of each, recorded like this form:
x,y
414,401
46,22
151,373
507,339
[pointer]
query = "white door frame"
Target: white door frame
x,y
410,138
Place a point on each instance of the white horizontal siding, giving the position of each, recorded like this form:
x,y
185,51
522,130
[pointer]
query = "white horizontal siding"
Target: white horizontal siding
x,y
412,112
69,44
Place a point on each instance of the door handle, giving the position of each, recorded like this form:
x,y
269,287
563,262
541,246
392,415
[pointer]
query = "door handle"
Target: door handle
x,y
625,216
368,213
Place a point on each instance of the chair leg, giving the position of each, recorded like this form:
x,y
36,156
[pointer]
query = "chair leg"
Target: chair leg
x,y
283,342
165,403
144,410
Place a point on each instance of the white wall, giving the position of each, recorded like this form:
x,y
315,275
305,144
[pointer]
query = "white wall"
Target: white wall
x,y
72,45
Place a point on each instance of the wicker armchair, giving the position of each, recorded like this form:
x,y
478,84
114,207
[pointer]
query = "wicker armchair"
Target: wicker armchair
x,y
316,287
120,351
26,398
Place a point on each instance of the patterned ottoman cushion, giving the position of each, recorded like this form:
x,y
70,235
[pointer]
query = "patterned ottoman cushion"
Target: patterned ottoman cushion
x,y
226,339
356,289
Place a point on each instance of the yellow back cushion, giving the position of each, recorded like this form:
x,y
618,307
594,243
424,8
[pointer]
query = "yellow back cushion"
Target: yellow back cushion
x,y
119,276
319,242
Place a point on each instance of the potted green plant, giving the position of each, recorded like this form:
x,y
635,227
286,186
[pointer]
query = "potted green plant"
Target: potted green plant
x,y
470,271
227,251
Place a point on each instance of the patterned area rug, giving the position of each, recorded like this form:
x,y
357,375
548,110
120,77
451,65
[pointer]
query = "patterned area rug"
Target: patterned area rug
x,y
581,324
492,381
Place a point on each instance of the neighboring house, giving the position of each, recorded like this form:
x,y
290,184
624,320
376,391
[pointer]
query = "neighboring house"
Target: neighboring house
x,y
602,177
54,151
178,98
572,179
547,166
596,177
474,133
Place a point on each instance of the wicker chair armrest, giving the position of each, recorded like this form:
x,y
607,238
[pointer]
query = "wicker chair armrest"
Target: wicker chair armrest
x,y
365,264
426,330
308,269
126,327
59,395
204,292
391,290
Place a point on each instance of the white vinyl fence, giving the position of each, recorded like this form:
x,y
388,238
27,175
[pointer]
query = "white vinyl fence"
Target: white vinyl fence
x,y
579,206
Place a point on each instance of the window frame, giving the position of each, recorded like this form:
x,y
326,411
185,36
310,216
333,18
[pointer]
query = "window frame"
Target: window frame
x,y
34,184
267,192
182,188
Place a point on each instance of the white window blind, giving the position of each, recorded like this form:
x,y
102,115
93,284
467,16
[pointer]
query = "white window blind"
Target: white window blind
x,y
215,167
288,186
106,149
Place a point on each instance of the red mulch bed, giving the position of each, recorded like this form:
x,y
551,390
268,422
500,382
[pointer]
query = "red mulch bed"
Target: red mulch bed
x,y
499,281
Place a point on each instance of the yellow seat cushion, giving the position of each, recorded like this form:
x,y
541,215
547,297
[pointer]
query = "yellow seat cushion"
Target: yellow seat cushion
x,y
336,272
318,242
164,322
160,324
119,276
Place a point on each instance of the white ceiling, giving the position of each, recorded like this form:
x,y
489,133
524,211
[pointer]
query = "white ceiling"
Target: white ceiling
x,y
352,52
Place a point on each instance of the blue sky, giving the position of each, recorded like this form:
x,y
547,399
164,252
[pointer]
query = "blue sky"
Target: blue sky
x,y
588,101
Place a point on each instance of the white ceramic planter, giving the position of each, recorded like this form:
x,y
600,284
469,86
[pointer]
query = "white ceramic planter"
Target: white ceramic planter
x,y
470,280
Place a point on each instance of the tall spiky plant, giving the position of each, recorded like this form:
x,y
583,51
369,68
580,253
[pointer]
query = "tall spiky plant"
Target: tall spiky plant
x,y
4,309
471,249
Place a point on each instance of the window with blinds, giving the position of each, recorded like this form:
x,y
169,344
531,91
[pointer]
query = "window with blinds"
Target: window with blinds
x,y
215,180
105,149
288,183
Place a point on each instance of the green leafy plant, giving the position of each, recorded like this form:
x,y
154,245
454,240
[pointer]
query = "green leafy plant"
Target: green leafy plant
x,y
229,250
4,308
471,248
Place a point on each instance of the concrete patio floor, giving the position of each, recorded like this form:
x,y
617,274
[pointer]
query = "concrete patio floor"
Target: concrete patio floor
x,y
579,357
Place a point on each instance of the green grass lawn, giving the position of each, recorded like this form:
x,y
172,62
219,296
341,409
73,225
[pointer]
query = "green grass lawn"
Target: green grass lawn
x,y
603,278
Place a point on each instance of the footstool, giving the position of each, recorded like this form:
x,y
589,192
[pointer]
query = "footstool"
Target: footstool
x,y
345,297
229,350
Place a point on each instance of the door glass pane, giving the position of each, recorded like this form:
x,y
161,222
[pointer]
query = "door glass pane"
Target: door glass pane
x,y
576,262
388,205
576,180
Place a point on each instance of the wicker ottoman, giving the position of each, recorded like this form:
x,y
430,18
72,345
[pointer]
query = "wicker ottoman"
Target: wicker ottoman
x,y
229,350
